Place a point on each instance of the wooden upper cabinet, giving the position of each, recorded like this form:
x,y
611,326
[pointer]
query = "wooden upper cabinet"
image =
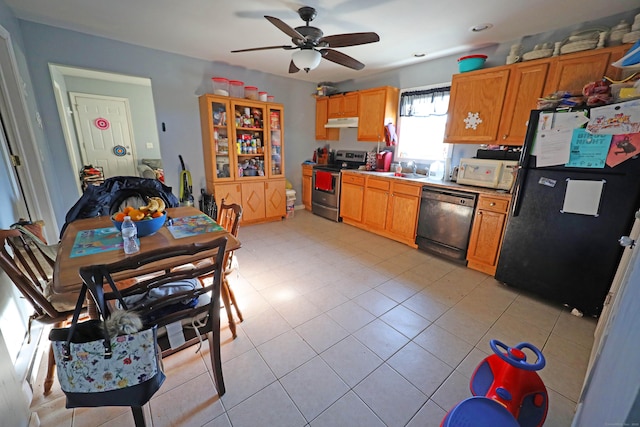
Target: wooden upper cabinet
x,y
616,73
343,105
571,72
377,108
322,133
526,85
475,106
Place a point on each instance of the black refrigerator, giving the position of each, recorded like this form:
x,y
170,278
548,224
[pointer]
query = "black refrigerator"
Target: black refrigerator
x,y
556,247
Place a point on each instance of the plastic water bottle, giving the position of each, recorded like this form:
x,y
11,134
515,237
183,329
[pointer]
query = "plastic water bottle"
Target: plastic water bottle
x,y
130,236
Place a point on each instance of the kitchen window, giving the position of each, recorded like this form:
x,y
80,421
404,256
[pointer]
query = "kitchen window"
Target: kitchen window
x,y
423,116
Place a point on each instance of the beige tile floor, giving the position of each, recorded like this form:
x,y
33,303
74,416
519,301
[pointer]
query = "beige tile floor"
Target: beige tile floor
x,y
346,328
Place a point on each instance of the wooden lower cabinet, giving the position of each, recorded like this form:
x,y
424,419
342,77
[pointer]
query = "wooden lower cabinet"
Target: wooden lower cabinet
x,y
381,205
402,217
253,201
231,193
352,197
307,182
275,198
260,200
376,203
487,232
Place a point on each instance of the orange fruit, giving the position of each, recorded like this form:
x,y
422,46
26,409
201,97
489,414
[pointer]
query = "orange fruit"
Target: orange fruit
x,y
136,215
156,214
127,209
119,216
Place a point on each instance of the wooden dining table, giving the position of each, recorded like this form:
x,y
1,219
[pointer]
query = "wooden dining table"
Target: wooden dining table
x,y
75,250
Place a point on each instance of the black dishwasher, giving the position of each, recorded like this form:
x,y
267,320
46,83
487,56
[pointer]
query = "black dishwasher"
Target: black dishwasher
x,y
444,222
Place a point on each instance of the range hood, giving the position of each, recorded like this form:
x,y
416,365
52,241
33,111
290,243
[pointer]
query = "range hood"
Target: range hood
x,y
346,122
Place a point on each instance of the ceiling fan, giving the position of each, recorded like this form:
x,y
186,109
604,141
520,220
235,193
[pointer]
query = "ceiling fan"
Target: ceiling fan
x,y
311,45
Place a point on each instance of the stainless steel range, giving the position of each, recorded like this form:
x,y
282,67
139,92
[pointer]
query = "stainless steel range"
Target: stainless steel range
x,y
325,196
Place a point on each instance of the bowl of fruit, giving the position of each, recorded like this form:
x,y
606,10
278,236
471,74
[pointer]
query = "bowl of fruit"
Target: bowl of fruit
x,y
148,219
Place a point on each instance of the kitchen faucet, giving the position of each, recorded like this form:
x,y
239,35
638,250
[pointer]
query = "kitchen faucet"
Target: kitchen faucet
x,y
411,164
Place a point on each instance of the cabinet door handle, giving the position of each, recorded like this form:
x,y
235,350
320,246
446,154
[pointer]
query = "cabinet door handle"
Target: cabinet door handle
x,y
492,204
504,136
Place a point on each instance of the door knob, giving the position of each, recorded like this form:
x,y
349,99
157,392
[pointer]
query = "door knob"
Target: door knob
x,y
627,241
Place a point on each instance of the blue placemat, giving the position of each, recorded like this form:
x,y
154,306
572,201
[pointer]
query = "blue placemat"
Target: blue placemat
x,y
89,242
187,226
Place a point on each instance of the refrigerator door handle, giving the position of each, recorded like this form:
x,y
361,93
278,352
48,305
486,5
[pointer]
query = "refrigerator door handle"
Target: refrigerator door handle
x,y
517,190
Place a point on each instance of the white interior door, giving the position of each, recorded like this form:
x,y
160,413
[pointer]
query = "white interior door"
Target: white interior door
x,y
12,196
103,124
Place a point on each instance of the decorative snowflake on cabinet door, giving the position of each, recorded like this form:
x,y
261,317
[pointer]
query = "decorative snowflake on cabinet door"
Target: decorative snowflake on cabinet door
x,y
472,120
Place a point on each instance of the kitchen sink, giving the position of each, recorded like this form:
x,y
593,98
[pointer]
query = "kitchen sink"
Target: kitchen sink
x,y
408,175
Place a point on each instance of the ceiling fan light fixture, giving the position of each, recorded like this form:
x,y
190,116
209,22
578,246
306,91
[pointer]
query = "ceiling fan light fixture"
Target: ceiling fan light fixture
x,y
306,59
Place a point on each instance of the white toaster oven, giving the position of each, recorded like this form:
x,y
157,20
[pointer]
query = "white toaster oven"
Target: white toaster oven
x,y
498,174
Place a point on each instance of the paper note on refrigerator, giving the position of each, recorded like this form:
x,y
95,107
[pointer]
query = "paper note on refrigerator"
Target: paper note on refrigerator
x,y
553,147
588,150
616,119
583,197
569,120
558,121
623,147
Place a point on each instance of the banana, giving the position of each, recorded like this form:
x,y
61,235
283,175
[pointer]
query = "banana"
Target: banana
x,y
161,205
151,207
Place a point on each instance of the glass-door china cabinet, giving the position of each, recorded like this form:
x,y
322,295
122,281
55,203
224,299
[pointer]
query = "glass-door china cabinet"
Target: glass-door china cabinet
x,y
243,146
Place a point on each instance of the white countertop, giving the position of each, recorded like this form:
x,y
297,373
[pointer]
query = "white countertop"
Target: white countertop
x,y
422,179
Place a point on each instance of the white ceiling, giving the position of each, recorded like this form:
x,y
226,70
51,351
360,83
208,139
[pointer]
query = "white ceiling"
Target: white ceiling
x,y
210,29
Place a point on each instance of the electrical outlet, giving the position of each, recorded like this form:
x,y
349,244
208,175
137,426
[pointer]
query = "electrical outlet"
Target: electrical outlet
x,y
149,144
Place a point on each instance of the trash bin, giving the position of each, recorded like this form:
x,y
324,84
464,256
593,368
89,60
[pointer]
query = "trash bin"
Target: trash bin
x,y
291,202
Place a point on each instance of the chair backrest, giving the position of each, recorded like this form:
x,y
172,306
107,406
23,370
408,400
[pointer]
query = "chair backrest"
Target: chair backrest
x,y
30,272
34,231
229,216
104,274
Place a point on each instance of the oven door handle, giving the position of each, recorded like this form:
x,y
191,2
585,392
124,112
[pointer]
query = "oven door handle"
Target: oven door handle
x,y
335,181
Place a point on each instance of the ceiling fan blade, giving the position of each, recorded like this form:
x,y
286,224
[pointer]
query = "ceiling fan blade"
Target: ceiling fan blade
x,y
293,68
341,58
349,39
285,28
264,48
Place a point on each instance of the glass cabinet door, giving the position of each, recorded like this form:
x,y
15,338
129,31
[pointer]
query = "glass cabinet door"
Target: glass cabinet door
x,y
276,139
249,139
223,164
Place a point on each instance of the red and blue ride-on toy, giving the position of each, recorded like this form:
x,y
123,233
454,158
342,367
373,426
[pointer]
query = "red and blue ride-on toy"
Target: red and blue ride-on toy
x,y
507,391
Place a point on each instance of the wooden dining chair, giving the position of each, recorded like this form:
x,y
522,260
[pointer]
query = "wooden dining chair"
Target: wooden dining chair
x,y
168,311
229,216
31,271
